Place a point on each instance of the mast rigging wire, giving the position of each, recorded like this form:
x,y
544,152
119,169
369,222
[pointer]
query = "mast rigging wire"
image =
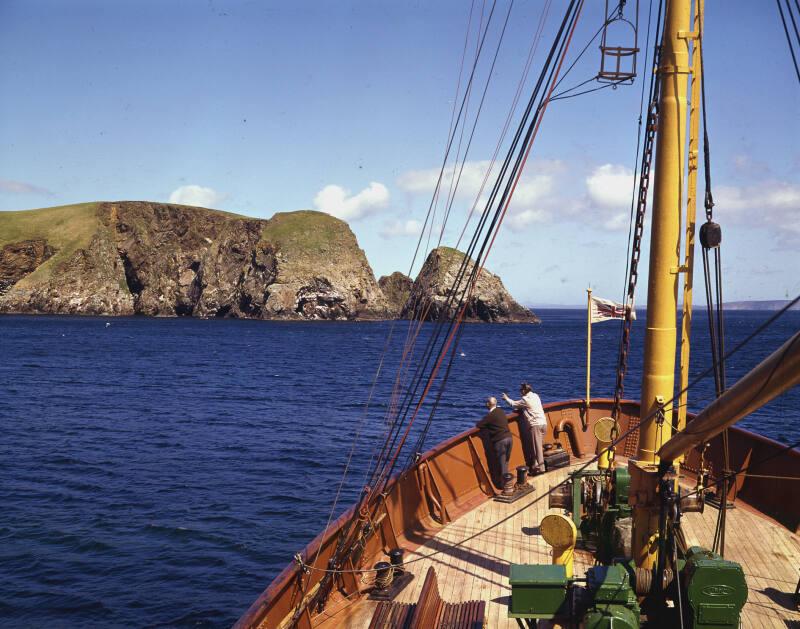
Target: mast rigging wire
x,y
410,338
341,539
451,135
527,65
456,290
504,201
788,36
713,289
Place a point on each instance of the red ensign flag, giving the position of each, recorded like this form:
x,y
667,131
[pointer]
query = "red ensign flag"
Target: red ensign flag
x,y
603,310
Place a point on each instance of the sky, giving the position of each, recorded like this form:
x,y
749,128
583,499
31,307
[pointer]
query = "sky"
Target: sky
x,y
345,107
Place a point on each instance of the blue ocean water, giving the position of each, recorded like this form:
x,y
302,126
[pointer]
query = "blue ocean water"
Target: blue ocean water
x,y
160,472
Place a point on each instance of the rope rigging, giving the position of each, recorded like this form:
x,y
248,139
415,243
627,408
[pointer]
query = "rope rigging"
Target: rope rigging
x,y
470,283
543,101
500,201
794,19
387,461
457,290
451,136
711,243
344,539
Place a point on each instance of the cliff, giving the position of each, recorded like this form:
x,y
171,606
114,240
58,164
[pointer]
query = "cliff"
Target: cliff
x,y
489,302
165,260
396,289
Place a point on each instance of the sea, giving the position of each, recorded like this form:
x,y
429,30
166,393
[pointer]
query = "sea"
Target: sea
x,y
161,472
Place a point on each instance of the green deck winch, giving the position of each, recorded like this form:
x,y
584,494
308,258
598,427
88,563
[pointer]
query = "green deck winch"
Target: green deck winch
x,y
612,601
712,590
598,503
715,590
538,591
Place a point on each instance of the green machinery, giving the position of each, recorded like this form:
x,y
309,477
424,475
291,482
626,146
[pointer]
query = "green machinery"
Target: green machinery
x,y
599,510
715,589
706,589
544,591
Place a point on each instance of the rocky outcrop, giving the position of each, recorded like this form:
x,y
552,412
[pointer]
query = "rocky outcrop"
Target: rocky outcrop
x,y
170,260
396,289
321,271
18,259
182,261
431,293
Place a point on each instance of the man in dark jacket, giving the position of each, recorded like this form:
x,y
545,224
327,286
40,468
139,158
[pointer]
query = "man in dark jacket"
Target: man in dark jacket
x,y
495,423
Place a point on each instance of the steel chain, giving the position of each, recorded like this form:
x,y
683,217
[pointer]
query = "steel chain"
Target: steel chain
x,y
636,250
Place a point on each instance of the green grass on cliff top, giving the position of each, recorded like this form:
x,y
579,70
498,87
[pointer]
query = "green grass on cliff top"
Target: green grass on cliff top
x,y
66,228
61,226
450,253
307,231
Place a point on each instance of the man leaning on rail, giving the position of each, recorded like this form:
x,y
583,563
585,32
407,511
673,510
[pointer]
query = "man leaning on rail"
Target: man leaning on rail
x,y
535,423
495,423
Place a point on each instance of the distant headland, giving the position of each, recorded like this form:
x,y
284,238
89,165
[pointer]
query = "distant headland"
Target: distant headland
x,y
167,260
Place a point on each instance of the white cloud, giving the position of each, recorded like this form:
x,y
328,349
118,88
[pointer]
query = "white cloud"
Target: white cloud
x,y
20,187
392,229
609,188
196,195
610,185
771,203
338,202
526,217
534,197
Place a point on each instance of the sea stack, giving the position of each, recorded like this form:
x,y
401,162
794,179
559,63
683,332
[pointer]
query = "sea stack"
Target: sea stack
x,y
489,302
396,290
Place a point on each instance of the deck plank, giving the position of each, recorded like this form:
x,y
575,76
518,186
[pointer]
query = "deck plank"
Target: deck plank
x,y
472,560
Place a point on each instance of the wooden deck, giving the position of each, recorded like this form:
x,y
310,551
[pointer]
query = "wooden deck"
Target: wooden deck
x,y
472,557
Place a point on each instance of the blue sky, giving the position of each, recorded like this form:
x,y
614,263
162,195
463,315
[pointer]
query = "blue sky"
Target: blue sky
x,y
259,107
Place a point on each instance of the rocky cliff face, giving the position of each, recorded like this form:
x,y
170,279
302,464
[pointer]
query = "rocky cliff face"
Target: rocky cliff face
x,y
167,260
18,259
489,302
396,289
158,259
321,273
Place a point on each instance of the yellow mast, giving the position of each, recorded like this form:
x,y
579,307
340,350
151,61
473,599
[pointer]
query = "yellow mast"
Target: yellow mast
x,y
658,379
691,211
